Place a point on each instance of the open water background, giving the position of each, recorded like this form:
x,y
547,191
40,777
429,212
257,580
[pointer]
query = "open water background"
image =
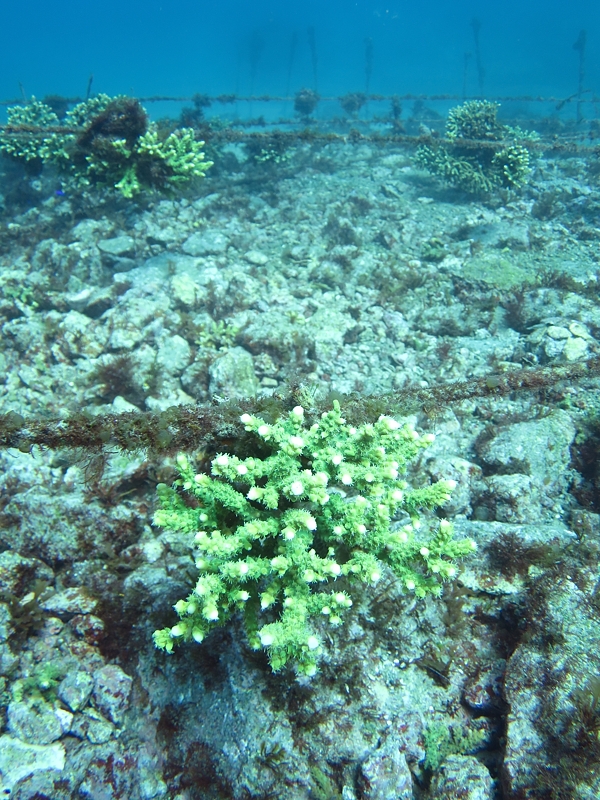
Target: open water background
x,y
234,46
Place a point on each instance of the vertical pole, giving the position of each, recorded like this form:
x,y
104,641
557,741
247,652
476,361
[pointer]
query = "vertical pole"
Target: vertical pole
x,y
293,45
465,75
368,63
312,43
580,47
476,25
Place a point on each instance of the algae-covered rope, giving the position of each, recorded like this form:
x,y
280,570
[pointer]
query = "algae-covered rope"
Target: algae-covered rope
x,y
186,428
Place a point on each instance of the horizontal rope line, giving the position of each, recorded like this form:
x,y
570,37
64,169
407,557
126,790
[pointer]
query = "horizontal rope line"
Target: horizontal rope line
x,y
379,98
352,137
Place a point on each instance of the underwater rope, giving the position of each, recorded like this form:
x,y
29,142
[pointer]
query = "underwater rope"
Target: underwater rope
x,y
185,428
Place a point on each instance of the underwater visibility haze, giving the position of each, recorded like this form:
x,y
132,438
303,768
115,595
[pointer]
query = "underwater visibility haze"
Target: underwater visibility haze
x,y
300,400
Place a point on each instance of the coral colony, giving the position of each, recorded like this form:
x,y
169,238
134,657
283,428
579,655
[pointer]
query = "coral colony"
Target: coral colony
x,y
282,535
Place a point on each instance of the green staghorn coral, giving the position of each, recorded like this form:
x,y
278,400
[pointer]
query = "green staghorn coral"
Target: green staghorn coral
x,y
282,536
475,119
472,168
106,141
176,159
29,137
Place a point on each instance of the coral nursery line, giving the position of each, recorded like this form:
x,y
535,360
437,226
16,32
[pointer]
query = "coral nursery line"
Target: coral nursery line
x,y
266,98
185,428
